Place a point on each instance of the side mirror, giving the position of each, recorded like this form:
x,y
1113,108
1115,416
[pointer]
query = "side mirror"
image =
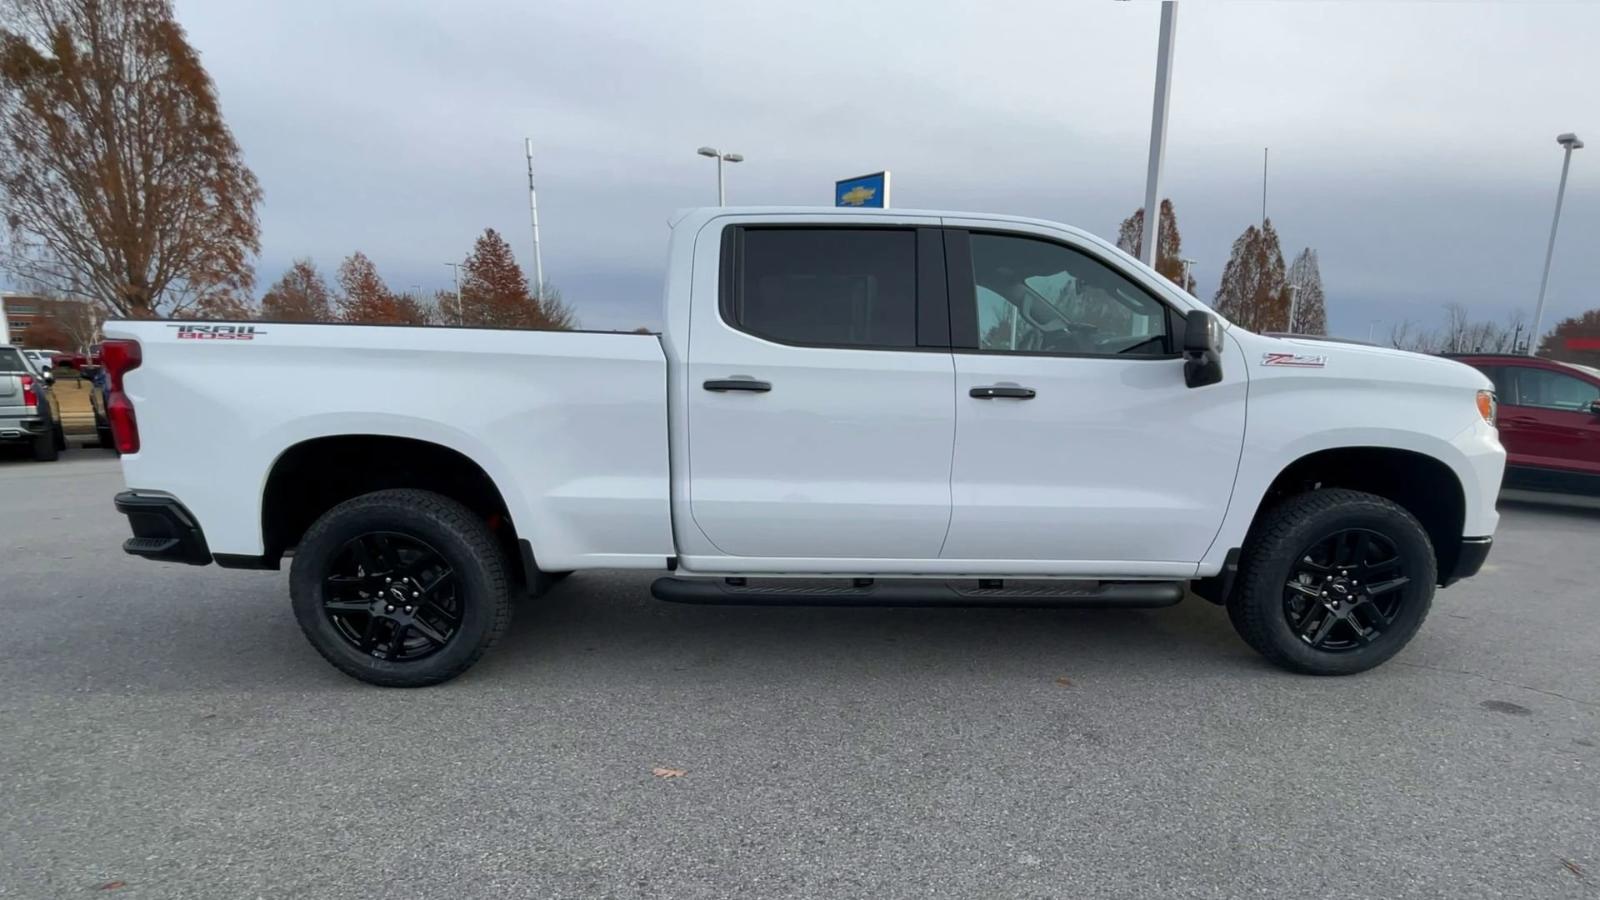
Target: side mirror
x,y
1594,407
1202,349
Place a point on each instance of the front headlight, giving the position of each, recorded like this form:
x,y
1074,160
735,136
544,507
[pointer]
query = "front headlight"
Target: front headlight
x,y
1488,406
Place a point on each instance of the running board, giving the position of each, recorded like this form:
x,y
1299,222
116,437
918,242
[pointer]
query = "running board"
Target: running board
x,y
911,592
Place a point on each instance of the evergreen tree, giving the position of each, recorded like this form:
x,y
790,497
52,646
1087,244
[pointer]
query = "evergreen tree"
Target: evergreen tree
x,y
1169,244
1252,291
364,298
1310,308
299,296
495,294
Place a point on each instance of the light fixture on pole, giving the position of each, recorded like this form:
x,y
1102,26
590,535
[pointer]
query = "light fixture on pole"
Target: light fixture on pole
x,y
1158,133
1570,142
1187,265
720,157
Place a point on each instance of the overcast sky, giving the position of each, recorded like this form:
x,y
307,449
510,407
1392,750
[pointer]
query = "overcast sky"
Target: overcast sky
x,y
1413,145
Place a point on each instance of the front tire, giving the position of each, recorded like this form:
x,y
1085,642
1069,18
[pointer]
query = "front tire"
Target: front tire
x,y
400,588
1334,582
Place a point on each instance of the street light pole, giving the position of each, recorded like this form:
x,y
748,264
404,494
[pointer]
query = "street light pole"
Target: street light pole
x,y
457,268
720,157
1187,264
1571,142
533,210
1158,133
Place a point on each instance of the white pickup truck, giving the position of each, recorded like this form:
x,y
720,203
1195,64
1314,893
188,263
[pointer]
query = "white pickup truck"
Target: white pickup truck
x,y
844,407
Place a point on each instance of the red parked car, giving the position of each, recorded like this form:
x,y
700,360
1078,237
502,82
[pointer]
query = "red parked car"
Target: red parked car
x,y
1549,420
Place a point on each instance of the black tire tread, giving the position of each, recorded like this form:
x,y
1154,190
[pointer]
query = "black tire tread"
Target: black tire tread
x,y
454,516
45,448
1257,596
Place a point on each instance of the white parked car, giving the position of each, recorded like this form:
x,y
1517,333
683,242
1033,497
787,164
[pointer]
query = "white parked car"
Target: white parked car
x,y
43,360
844,407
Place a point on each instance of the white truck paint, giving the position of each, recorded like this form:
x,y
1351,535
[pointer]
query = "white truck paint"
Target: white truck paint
x,y
859,462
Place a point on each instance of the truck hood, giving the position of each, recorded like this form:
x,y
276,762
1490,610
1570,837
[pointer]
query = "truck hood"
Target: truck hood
x,y
1348,359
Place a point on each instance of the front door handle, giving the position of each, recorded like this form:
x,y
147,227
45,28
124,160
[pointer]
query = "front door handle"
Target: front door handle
x,y
738,384
1009,391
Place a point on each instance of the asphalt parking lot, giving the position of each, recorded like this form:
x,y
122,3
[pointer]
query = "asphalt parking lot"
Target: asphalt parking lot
x,y
165,731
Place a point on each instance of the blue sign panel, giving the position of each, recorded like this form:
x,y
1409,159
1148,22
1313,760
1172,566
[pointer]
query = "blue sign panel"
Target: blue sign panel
x,y
863,191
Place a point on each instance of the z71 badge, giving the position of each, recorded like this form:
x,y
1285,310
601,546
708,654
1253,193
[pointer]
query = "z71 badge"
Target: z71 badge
x,y
217,332
1293,360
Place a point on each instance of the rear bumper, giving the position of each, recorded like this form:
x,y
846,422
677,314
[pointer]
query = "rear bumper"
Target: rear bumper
x,y
1474,550
23,429
162,529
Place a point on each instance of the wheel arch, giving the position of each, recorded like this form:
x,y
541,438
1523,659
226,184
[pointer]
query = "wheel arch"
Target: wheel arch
x,y
313,475
1422,484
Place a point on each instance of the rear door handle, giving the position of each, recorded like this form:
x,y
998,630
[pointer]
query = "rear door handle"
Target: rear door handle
x,y
738,384
996,391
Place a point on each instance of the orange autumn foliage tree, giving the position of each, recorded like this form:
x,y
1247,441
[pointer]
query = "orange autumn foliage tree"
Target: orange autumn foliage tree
x,y
119,179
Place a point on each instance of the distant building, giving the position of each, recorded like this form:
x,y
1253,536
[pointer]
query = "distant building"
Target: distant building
x,y
18,312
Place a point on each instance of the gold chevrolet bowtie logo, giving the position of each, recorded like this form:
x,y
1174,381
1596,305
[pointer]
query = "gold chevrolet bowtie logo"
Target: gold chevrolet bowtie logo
x,y
858,196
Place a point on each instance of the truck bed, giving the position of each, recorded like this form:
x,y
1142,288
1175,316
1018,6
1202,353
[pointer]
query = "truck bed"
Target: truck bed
x,y
571,426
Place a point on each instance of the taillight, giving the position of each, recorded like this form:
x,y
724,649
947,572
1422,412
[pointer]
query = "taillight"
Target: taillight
x,y
30,397
121,357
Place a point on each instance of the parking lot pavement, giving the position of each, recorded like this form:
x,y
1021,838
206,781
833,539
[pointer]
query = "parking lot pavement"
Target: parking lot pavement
x,y
168,728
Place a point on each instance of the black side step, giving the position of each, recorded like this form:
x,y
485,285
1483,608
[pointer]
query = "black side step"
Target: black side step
x,y
850,592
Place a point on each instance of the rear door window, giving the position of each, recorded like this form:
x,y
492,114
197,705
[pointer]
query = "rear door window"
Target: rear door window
x,y
828,287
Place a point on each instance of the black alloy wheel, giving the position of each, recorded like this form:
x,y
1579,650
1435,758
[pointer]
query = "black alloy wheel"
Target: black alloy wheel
x,y
393,596
1333,582
1345,590
401,587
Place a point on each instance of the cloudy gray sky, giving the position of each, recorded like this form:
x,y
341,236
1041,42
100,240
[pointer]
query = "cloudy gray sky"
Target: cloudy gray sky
x,y
1412,144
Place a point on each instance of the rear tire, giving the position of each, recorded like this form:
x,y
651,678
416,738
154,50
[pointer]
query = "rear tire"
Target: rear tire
x,y
60,437
354,573
1333,582
45,448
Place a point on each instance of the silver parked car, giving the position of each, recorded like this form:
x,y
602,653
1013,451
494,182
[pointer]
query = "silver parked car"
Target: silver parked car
x,y
28,408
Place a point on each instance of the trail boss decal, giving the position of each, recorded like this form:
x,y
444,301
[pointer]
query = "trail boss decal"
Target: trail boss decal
x,y
217,332
1293,360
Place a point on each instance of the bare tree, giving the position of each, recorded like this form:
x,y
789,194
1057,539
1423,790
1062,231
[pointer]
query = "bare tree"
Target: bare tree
x,y
1460,333
119,180
1310,313
79,320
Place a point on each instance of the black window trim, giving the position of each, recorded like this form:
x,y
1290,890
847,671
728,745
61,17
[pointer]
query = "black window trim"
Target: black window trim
x,y
932,307
964,311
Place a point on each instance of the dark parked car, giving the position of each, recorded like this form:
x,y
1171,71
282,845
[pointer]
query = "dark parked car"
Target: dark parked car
x,y
97,402
1549,421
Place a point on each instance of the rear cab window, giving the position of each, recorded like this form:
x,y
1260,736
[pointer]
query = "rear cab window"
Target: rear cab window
x,y
825,287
